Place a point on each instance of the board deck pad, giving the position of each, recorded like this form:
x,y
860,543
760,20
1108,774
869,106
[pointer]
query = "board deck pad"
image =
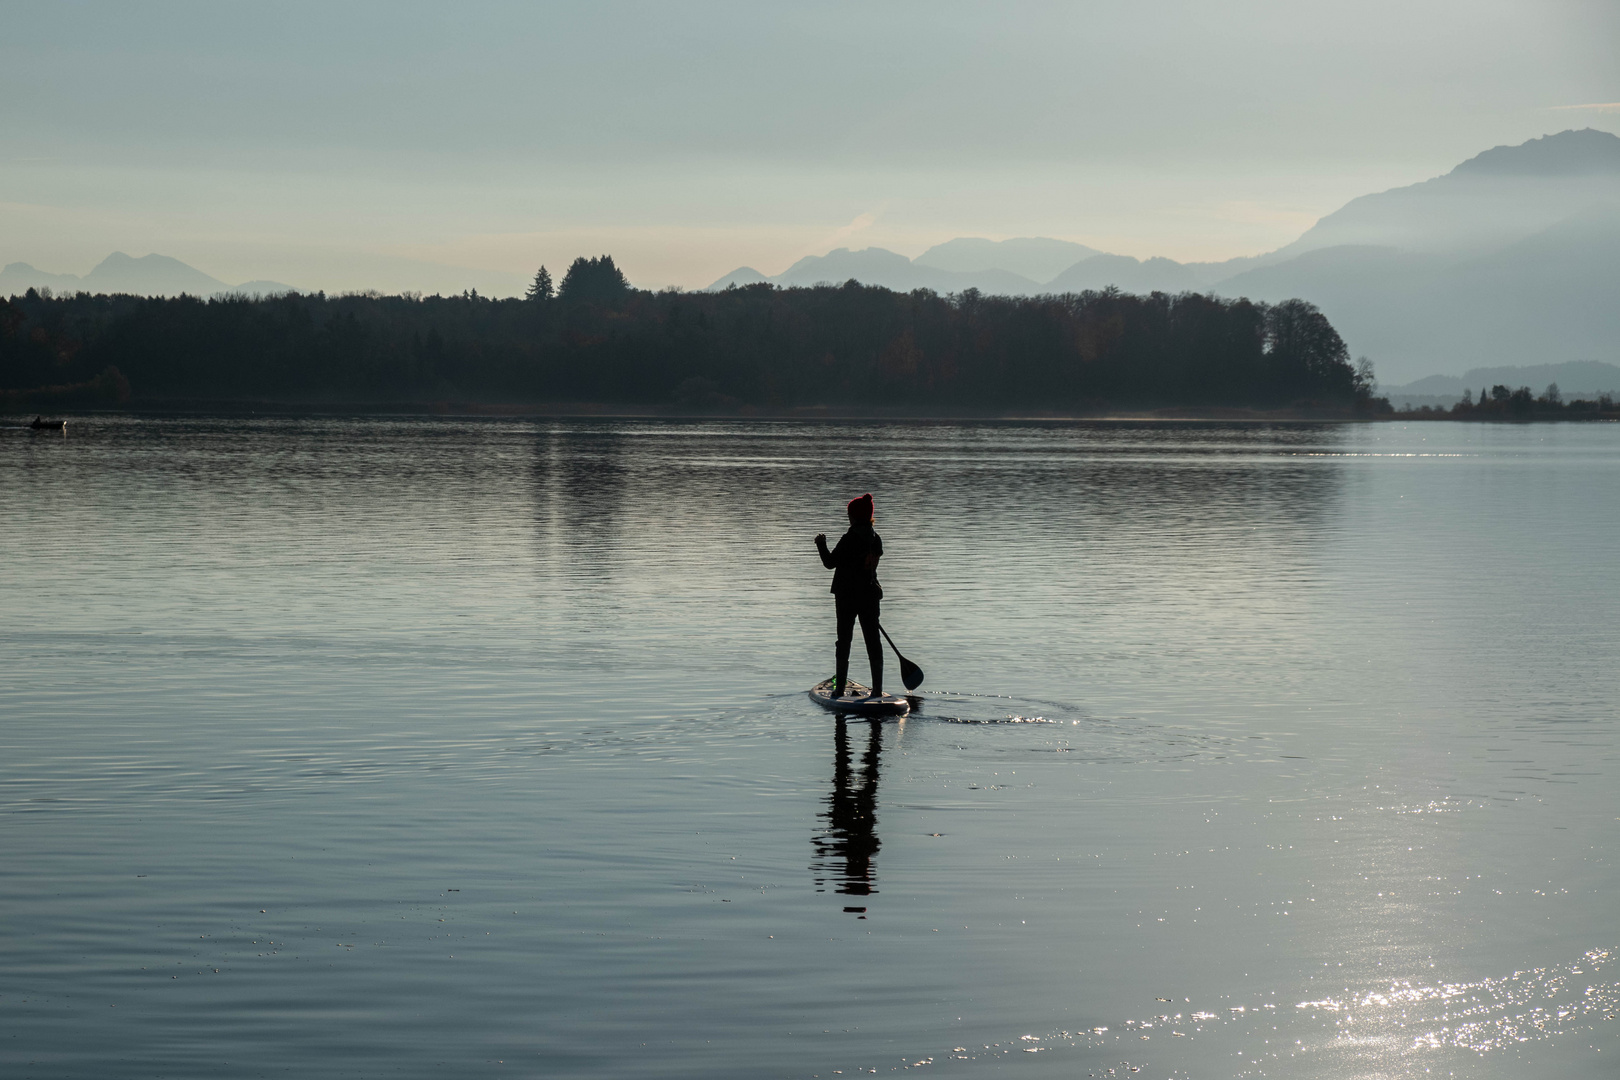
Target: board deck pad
x,y
858,699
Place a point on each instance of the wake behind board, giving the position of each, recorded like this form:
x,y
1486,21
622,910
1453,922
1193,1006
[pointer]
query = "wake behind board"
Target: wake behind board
x,y
859,700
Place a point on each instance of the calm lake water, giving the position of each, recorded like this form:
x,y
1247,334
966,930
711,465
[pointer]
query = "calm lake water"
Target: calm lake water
x,y
419,748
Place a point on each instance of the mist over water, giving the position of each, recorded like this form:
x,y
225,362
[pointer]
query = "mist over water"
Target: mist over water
x,y
340,748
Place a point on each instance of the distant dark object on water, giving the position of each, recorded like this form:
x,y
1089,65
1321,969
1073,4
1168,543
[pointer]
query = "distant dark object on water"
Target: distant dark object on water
x,y
41,424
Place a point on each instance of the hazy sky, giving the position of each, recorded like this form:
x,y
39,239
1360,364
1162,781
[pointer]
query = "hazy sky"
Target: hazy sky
x,y
402,145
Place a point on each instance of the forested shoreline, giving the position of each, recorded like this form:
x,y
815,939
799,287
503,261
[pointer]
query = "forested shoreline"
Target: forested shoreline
x,y
751,349
1505,403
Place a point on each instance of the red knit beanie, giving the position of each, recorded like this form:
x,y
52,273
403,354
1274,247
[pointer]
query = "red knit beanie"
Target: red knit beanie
x,y
860,510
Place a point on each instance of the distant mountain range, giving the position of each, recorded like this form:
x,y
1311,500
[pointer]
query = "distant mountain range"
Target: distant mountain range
x,y
1512,256
149,275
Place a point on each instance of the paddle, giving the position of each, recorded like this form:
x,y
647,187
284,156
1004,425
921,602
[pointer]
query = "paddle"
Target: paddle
x,y
910,673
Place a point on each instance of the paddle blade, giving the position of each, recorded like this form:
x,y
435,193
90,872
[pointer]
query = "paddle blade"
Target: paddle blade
x,y
910,674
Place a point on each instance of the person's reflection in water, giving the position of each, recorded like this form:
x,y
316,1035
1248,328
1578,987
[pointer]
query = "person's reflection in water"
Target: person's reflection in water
x,y
844,852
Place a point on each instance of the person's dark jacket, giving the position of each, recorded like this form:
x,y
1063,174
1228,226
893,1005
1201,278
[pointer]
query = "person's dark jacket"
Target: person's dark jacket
x,y
854,563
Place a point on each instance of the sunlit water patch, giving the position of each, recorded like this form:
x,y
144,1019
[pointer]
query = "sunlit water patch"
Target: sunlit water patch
x,y
1407,1028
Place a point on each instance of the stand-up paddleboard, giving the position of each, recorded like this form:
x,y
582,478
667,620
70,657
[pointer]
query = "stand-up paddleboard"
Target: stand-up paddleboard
x,y
859,700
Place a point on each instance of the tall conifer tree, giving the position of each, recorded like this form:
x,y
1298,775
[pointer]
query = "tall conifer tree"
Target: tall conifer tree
x,y
540,288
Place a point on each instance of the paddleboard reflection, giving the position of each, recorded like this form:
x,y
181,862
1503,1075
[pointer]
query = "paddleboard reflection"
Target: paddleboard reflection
x,y
845,851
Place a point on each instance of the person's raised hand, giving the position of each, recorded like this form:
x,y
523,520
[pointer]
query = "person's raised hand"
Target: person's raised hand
x,y
821,539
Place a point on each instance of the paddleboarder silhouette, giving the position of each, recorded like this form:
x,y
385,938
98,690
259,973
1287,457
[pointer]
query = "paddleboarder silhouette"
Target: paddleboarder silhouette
x,y
855,589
